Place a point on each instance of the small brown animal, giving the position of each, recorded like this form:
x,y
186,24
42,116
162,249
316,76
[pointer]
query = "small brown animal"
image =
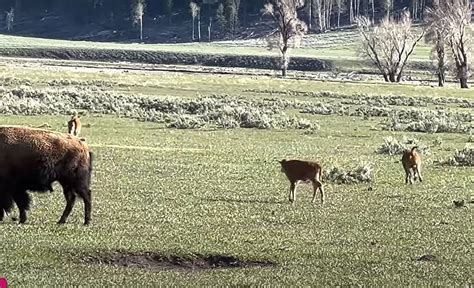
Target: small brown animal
x,y
411,161
296,171
74,125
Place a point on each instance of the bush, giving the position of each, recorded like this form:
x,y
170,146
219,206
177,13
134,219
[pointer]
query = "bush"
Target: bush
x,y
430,122
392,146
362,174
464,157
220,111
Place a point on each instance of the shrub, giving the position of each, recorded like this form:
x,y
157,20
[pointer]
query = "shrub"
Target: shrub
x,y
430,122
392,146
464,157
219,110
362,174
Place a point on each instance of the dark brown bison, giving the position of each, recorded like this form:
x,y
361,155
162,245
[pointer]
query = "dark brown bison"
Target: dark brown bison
x,y
32,159
297,170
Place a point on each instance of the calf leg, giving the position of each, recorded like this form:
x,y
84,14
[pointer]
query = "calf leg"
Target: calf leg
x,y
407,175
70,200
293,186
418,171
317,185
22,200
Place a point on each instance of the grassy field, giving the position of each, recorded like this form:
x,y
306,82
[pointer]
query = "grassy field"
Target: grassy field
x,y
214,191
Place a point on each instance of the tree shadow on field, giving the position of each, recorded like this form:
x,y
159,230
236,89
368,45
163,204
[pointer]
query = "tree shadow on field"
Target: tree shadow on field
x,y
241,200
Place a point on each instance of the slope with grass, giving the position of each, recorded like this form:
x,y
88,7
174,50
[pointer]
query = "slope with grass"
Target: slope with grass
x,y
334,51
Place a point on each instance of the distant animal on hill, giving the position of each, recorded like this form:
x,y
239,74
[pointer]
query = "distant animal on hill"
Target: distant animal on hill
x,y
411,161
74,125
32,159
297,170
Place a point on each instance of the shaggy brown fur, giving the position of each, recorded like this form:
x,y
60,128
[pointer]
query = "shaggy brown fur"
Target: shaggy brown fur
x,y
74,125
32,159
411,161
296,171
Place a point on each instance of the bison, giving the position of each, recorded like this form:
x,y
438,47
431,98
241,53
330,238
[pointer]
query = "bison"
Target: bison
x,y
411,161
296,171
32,159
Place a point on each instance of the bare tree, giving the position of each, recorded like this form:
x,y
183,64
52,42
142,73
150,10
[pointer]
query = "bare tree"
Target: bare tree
x,y
389,45
138,10
209,26
339,4
9,18
194,13
457,18
437,33
199,23
290,28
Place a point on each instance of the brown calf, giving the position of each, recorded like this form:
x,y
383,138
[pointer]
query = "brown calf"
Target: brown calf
x,y
296,171
411,161
74,125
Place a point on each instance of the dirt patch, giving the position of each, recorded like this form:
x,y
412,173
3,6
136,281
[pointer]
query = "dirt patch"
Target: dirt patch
x,y
427,258
155,261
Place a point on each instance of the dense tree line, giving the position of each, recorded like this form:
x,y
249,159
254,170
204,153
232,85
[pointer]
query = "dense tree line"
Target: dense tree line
x,y
230,14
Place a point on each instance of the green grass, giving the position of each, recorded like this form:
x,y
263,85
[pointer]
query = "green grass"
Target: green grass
x,y
221,192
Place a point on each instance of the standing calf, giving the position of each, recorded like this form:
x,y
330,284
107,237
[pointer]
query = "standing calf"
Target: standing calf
x,y
74,125
411,161
296,171
32,159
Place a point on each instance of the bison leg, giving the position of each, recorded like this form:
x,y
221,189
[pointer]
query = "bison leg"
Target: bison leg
x,y
22,200
85,194
2,214
70,200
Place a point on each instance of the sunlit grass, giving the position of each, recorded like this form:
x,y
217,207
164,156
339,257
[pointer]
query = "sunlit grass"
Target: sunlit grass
x,y
221,192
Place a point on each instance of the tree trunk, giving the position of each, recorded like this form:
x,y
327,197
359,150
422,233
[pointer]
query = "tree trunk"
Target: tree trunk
x,y
392,78
284,60
141,28
199,27
463,82
441,79
441,64
373,11
310,14
209,29
193,30
385,77
351,12
320,16
463,74
339,15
